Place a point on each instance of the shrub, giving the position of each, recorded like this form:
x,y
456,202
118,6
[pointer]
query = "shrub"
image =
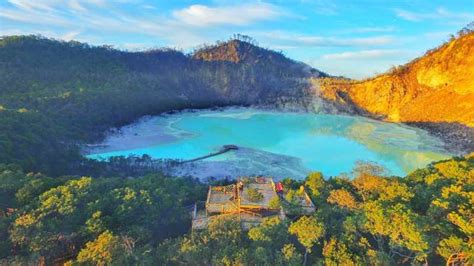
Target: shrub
x,y
253,195
274,203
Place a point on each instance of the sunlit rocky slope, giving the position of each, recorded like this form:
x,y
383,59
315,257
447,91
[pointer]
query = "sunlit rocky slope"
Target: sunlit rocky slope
x,y
437,87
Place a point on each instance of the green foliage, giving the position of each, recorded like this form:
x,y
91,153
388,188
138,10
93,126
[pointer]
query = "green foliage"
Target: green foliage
x,y
401,225
104,250
275,203
308,230
315,182
342,198
290,255
425,217
145,211
337,253
270,232
253,195
5,243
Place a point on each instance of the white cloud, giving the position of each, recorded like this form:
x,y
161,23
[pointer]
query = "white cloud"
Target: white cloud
x,y
437,35
332,41
407,15
363,63
439,13
74,4
372,29
34,17
279,38
325,7
148,7
365,54
31,4
55,5
184,28
201,15
70,35
66,36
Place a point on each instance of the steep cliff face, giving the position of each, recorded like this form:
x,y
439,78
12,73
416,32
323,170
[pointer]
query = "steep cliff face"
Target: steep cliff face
x,y
437,87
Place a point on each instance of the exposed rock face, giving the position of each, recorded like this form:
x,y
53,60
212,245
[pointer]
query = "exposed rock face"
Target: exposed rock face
x,y
232,51
438,87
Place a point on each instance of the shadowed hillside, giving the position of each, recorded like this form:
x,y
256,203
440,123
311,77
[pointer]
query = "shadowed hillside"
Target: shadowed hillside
x,y
243,49
76,92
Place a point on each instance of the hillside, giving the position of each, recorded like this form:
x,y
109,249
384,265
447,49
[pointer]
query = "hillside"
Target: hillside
x,y
437,87
247,51
55,95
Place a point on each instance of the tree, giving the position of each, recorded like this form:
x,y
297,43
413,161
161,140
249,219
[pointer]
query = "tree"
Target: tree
x,y
395,190
368,168
291,255
403,228
269,233
62,219
105,250
308,230
425,217
455,246
316,183
342,198
369,185
337,253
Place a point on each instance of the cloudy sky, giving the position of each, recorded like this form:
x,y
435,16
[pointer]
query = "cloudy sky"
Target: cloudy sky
x,y
356,38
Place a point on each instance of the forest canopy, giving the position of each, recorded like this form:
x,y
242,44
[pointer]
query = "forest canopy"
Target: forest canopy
x,y
370,219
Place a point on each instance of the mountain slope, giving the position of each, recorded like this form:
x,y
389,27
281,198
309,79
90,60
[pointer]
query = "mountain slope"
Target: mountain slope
x,y
438,87
76,92
238,51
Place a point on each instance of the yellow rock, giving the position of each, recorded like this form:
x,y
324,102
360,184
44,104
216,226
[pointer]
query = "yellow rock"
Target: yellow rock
x,y
437,87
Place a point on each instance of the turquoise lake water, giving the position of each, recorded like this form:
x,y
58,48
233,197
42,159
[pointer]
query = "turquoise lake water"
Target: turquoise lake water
x,y
331,144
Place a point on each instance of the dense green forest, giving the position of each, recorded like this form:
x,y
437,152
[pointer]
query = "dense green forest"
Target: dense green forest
x,y
56,95
426,216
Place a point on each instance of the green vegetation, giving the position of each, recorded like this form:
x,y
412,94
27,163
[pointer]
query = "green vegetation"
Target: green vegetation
x,y
253,195
62,217
55,95
426,216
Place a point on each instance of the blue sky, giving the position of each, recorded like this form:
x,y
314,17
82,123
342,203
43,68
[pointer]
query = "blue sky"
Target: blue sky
x,y
356,39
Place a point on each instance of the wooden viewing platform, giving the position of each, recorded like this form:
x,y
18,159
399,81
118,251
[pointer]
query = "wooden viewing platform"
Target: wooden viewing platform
x,y
233,202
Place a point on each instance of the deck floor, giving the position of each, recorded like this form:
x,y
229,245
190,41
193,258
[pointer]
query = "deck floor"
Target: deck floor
x,y
221,201
267,190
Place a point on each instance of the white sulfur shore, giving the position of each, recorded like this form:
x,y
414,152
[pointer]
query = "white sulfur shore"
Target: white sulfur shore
x,y
243,162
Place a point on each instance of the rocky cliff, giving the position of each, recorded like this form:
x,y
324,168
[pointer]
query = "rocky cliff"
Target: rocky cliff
x,y
434,92
437,87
